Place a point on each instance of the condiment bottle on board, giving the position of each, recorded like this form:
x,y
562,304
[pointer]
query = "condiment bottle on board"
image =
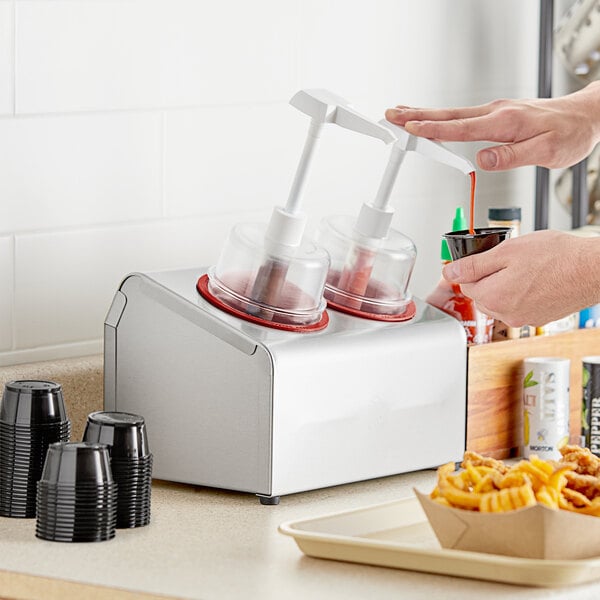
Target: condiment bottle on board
x,y
509,216
449,297
564,325
589,317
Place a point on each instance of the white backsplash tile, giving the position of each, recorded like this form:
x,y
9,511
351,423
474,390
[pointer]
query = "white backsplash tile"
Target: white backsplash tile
x,y
95,55
221,160
6,292
75,170
66,280
444,53
228,52
355,64
152,53
6,57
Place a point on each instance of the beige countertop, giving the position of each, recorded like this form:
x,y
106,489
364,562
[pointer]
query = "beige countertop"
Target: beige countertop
x,y
212,544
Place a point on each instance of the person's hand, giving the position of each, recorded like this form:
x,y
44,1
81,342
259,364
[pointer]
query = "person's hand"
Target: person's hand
x,y
533,279
551,132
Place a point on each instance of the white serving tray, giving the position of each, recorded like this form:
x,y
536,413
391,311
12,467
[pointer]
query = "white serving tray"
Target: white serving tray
x,y
397,534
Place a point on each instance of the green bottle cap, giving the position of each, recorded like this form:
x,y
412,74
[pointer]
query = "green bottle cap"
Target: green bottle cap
x,y
458,224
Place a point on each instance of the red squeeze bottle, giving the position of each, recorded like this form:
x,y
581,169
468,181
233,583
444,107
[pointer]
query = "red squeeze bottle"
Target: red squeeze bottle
x,y
448,297
479,327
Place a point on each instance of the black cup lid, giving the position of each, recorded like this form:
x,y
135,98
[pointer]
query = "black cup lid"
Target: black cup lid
x,y
32,402
116,419
77,463
125,433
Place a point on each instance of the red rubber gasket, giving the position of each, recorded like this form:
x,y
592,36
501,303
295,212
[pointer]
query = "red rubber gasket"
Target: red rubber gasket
x,y
408,314
202,287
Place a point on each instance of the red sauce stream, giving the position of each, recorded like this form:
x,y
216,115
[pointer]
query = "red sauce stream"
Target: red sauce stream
x,y
472,207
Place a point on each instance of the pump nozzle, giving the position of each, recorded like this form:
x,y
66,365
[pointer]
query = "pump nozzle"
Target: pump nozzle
x,y
323,106
375,218
429,148
286,226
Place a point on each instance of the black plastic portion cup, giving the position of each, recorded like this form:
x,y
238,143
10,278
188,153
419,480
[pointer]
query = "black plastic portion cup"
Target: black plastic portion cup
x,y
462,243
131,462
77,463
124,433
76,495
30,403
32,416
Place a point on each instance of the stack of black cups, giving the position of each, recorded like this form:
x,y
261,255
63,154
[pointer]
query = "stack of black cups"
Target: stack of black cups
x,y
76,496
32,417
131,462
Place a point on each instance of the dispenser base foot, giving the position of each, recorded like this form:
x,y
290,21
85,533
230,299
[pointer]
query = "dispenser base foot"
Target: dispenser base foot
x,y
269,500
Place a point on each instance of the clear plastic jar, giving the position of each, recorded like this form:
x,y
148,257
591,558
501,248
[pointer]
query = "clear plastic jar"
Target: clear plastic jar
x,y
366,275
274,284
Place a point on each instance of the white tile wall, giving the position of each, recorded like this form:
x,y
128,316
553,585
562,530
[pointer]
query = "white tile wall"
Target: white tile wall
x,y
66,280
86,55
428,52
79,169
223,160
6,57
134,133
6,292
150,53
228,52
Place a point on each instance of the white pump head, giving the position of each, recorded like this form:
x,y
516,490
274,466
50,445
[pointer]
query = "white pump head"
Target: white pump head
x,y
287,224
320,105
426,147
375,218
324,106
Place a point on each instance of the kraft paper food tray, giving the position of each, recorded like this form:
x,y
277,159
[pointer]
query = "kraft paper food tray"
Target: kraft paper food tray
x,y
398,535
532,532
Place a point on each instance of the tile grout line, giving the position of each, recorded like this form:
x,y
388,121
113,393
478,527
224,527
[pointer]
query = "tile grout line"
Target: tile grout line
x,y
134,223
79,112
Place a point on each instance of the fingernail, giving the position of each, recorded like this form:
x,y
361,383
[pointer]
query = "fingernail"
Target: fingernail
x,y
413,126
451,271
488,159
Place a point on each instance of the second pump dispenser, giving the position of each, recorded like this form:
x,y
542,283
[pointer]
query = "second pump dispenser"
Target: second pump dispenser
x,y
273,275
